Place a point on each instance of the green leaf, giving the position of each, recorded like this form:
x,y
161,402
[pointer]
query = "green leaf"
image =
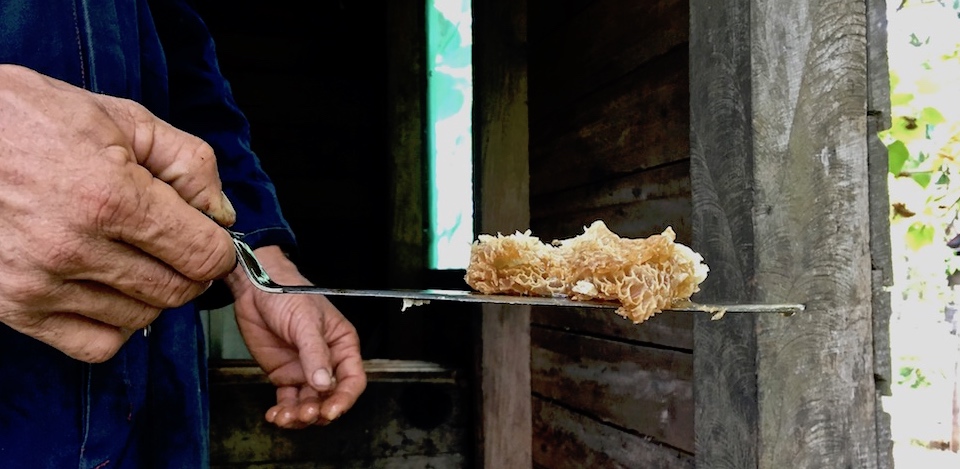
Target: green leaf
x,y
907,129
919,235
943,179
914,40
931,116
898,156
923,179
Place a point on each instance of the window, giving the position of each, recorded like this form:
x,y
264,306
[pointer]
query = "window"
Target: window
x,y
449,132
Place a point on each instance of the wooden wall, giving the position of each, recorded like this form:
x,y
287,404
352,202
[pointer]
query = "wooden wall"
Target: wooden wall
x,y
790,206
412,415
609,140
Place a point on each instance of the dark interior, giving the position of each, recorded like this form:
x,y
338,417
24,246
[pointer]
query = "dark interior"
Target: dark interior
x,y
312,79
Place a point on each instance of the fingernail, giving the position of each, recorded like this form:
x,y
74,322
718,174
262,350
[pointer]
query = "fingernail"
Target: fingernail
x,y
321,378
333,414
228,207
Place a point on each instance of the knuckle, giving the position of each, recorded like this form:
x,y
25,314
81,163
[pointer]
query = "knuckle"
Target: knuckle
x,y
62,258
113,200
204,158
176,292
101,349
211,260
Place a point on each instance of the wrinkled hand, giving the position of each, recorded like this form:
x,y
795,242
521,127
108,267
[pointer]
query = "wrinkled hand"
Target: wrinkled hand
x,y
100,228
304,344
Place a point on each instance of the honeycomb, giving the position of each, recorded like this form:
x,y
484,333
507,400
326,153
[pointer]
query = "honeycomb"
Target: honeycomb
x,y
645,275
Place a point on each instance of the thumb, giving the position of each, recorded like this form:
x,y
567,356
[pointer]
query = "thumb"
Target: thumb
x,y
315,357
180,159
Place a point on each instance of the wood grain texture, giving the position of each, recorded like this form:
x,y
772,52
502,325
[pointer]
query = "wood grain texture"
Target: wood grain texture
x,y
815,371
569,440
502,145
636,205
603,42
668,330
721,162
646,390
392,425
407,252
641,121
878,118
405,129
794,226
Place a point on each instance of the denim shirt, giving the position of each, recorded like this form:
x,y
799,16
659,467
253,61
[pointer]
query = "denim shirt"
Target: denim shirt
x,y
147,406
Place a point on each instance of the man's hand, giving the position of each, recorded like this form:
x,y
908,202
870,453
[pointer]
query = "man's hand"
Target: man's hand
x,y
305,345
99,220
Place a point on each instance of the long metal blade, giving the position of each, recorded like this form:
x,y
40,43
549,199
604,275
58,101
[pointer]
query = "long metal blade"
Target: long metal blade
x,y
474,297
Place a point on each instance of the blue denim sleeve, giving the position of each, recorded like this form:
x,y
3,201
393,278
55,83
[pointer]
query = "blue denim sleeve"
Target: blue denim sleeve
x,y
202,103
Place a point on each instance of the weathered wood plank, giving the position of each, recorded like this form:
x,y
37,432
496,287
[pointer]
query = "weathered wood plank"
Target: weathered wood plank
x,y
233,372
568,440
878,118
631,220
672,180
815,371
406,95
669,330
639,122
636,205
405,129
605,41
502,141
390,422
646,390
444,461
778,159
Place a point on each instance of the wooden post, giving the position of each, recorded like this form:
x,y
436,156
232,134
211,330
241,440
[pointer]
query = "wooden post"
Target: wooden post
x,y
878,118
501,133
406,31
406,43
779,171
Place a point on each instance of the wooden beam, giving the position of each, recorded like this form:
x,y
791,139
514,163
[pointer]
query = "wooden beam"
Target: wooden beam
x,y
405,130
779,175
502,143
878,118
406,264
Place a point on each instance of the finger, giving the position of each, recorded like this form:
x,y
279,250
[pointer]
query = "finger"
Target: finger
x,y
286,414
308,408
314,356
162,225
351,382
182,160
132,273
77,336
104,305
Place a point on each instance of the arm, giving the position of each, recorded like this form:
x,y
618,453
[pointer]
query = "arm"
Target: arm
x,y
303,343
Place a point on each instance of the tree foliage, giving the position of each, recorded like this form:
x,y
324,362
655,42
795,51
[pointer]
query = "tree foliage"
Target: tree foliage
x,y
924,138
